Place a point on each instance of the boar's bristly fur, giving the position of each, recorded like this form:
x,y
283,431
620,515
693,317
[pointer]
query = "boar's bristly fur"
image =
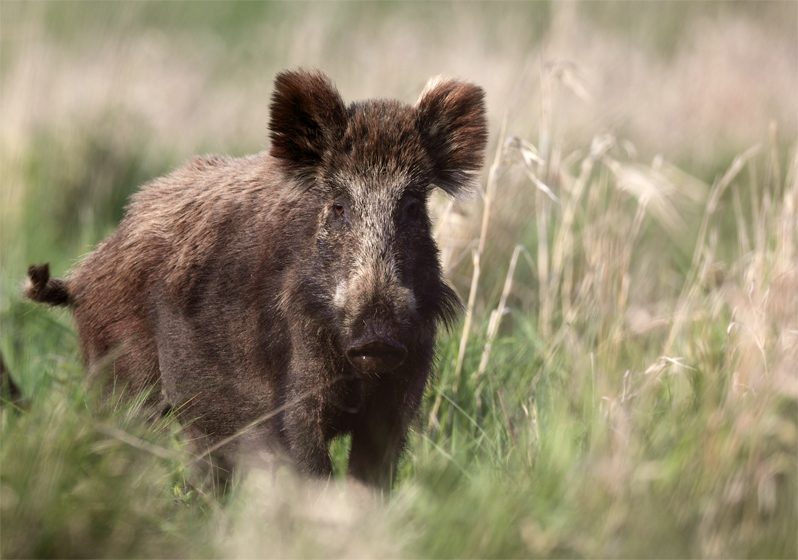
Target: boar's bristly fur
x,y
303,280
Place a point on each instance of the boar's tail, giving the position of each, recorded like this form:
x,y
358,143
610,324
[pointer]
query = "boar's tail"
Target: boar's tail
x,y
40,287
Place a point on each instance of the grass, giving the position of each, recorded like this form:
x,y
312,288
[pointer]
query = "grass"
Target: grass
x,y
670,437
623,386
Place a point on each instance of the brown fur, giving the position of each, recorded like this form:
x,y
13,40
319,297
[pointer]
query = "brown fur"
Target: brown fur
x,y
305,277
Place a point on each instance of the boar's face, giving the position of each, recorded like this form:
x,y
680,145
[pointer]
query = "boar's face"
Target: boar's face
x,y
374,277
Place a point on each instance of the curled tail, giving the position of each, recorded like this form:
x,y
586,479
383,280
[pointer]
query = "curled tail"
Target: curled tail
x,y
40,287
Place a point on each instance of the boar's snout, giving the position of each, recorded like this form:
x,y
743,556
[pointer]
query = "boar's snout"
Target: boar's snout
x,y
380,312
376,354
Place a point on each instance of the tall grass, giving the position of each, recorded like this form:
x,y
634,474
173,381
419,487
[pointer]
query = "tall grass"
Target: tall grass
x,y
581,430
668,431
624,382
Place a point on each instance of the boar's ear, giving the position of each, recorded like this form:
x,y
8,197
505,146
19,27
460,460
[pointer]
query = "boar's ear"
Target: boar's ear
x,y
307,117
451,120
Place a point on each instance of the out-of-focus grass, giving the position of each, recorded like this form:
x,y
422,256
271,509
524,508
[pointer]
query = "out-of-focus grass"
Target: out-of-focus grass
x,y
608,426
629,391
85,481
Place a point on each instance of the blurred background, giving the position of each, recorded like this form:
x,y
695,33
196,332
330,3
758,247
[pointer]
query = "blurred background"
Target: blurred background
x,y
98,97
695,81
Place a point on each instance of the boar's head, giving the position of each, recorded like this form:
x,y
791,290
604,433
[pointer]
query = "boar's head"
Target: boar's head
x,y
372,277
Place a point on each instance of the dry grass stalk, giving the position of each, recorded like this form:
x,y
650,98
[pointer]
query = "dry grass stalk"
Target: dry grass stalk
x,y
490,190
563,248
701,261
544,275
490,193
496,314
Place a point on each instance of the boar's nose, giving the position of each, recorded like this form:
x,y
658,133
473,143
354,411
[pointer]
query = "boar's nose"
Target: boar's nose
x,y
376,355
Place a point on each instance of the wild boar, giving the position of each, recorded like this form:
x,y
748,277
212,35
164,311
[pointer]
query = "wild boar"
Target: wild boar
x,y
303,280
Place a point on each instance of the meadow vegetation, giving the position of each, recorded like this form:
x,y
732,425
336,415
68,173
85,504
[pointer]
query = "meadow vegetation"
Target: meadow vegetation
x,y
624,383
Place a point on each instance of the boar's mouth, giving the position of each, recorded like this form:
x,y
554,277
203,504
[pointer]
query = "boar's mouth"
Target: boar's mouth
x,y
376,355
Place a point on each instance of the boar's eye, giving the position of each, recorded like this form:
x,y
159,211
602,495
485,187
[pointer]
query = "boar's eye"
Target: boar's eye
x,y
340,211
411,207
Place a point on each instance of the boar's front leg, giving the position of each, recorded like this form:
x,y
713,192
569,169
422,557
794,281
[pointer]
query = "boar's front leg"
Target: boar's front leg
x,y
304,434
375,450
379,434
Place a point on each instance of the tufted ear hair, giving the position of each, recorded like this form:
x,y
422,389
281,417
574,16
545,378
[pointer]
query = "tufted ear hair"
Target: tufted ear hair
x,y
308,117
451,120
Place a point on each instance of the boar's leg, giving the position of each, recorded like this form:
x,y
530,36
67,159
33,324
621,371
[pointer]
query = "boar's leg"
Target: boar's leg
x,y
303,429
376,445
379,434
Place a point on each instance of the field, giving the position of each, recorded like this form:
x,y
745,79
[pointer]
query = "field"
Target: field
x,y
624,383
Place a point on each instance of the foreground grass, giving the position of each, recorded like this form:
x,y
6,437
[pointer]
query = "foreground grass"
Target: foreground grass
x,y
612,415
83,484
